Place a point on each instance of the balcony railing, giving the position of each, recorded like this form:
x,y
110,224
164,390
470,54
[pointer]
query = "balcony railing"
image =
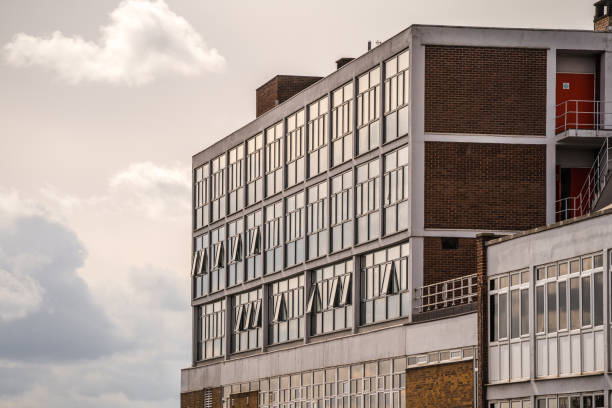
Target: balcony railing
x,y
596,179
453,292
583,115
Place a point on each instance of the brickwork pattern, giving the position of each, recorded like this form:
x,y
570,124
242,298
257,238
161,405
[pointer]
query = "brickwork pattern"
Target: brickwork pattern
x,y
485,186
245,400
445,385
279,89
602,24
483,316
444,264
484,90
195,399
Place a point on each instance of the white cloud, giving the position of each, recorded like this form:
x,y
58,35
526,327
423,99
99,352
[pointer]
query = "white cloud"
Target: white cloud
x,y
20,295
143,40
153,190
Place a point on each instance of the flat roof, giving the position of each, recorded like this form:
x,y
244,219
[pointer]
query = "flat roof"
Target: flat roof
x,y
605,211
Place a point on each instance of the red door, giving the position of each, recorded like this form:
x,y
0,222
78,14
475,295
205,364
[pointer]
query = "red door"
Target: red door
x,y
578,93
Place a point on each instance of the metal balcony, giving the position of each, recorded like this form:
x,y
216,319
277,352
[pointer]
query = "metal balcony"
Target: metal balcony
x,y
583,118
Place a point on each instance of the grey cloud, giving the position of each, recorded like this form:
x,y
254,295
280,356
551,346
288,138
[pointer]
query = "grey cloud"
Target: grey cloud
x,y
68,325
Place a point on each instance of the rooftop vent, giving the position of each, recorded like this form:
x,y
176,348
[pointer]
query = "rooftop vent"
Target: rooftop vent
x,y
343,61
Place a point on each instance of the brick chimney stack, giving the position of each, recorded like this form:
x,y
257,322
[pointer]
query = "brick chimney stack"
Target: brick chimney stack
x,y
603,14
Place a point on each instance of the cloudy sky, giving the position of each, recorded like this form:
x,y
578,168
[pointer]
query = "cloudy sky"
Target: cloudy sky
x,y
102,104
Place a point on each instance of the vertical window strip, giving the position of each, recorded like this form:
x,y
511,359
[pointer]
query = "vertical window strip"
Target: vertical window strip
x,y
317,221
368,107
329,302
254,169
367,201
341,211
294,148
247,320
234,253
201,266
201,196
318,121
273,247
236,179
396,191
509,306
294,234
342,124
253,245
218,166
397,96
211,330
384,284
217,259
287,298
274,159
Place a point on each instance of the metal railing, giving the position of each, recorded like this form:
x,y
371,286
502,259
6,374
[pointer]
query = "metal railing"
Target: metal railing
x,y
583,115
452,292
596,179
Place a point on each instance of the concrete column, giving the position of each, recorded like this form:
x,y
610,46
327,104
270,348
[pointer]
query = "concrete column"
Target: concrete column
x,y
356,293
415,271
551,159
417,130
606,87
265,316
606,311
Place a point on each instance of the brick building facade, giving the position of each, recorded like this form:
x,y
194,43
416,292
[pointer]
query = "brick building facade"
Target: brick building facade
x,y
340,253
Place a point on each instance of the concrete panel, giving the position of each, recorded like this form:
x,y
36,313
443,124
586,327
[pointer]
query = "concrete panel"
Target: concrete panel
x,y
455,332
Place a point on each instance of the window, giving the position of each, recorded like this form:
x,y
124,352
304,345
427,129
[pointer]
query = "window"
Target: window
x,y
316,229
247,321
329,302
201,196
384,284
287,309
577,283
367,200
211,330
200,266
216,259
342,124
525,403
217,185
509,306
368,108
341,210
295,148
236,179
294,225
572,401
253,169
274,159
318,121
254,243
273,247
234,253
397,96
396,190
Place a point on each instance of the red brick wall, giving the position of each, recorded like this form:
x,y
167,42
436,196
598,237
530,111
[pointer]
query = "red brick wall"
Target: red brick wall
x,y
602,24
485,90
445,385
443,264
485,186
279,89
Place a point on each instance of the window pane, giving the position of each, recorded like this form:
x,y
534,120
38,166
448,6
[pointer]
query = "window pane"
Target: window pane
x,y
493,318
524,311
540,309
586,301
503,315
514,314
562,305
552,307
574,304
598,299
